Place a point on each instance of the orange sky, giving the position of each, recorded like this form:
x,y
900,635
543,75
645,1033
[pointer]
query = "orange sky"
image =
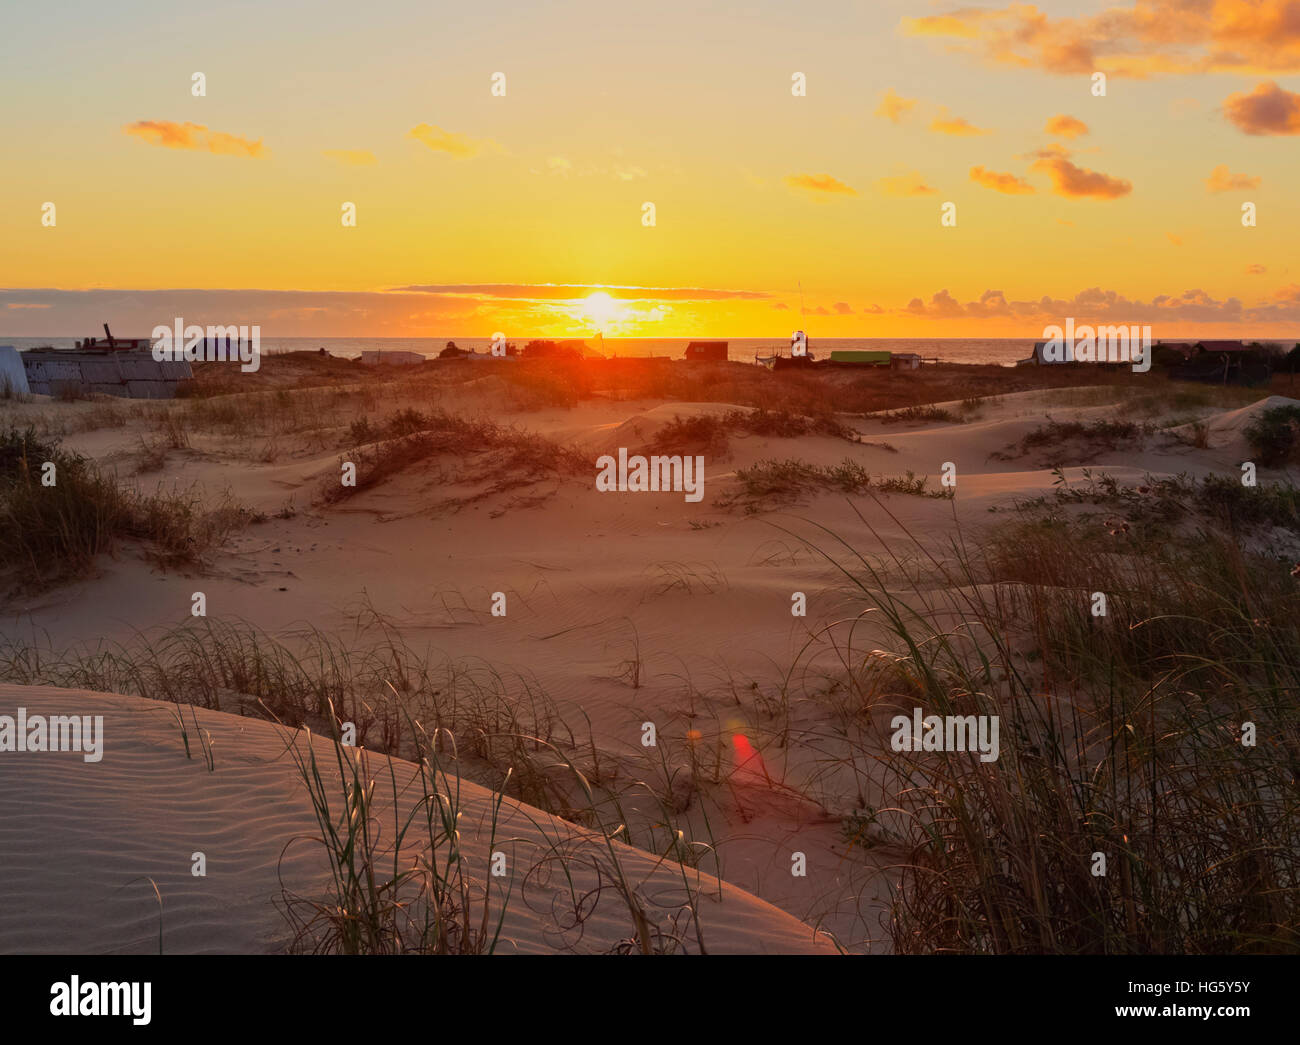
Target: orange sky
x,y
524,212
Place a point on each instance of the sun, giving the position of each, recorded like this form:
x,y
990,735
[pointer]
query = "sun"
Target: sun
x,y
601,310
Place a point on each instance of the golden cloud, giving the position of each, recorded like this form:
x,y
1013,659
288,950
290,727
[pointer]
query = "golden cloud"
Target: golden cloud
x,y
1223,180
1268,109
909,184
194,136
457,145
819,184
1011,184
1075,182
1148,38
893,106
1063,126
955,125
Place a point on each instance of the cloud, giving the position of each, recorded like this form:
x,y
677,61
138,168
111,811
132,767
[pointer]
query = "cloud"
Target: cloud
x,y
941,305
1176,240
1011,184
566,291
894,107
456,145
25,304
1063,126
941,25
909,184
438,309
352,157
842,308
1222,180
1098,305
1256,270
194,136
1075,182
1147,38
1268,109
955,125
819,185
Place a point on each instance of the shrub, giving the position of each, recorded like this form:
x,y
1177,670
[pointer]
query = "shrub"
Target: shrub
x,y
1275,435
53,533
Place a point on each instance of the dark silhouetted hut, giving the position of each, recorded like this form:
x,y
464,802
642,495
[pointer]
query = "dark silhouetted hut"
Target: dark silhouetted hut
x,y
707,351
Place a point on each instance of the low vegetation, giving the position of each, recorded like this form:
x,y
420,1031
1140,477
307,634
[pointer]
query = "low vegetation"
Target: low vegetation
x,y
60,511
1144,799
1170,508
1275,436
711,434
507,456
913,415
1075,442
788,480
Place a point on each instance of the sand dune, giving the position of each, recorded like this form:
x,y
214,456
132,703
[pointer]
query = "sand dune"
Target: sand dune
x,y
81,841
695,597
1226,431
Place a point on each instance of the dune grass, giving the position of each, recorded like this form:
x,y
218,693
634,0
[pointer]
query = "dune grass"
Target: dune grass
x,y
509,456
403,887
397,699
1121,735
913,415
711,435
1075,442
53,529
399,879
1165,508
1275,436
786,481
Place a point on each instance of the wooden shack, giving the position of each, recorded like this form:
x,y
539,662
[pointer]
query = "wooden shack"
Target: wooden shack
x,y
707,351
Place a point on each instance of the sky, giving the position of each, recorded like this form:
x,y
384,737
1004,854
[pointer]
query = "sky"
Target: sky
x,y
525,212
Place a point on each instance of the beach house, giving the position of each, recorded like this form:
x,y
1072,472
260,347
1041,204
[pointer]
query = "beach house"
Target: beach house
x,y
1039,357
706,352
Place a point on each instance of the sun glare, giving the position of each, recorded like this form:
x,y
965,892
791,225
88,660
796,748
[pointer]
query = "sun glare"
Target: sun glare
x,y
602,310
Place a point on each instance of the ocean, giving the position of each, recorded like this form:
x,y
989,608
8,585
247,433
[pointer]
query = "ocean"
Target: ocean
x,y
1002,351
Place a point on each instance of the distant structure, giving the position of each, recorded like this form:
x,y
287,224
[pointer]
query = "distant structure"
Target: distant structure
x,y
706,352
391,358
1225,362
13,375
114,344
115,366
860,357
1039,359
1169,349
1224,346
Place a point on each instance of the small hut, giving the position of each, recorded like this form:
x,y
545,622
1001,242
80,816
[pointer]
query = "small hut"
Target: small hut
x,y
1041,358
706,352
